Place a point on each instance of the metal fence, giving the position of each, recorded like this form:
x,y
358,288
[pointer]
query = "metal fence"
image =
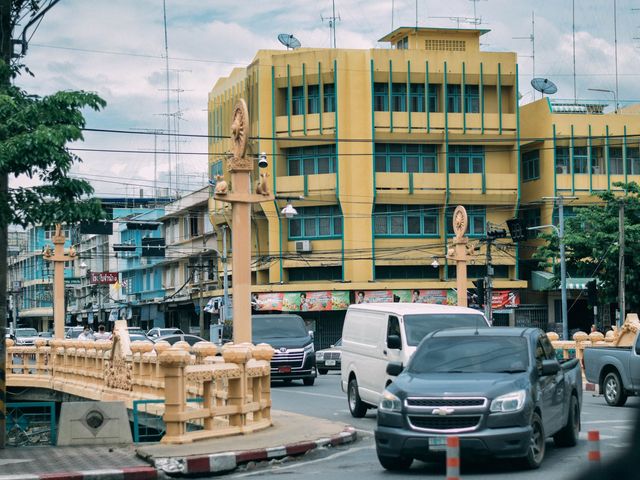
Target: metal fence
x,y
31,423
532,316
149,427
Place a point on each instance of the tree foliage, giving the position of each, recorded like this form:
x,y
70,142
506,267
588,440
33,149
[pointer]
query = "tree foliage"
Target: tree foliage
x,y
591,244
34,134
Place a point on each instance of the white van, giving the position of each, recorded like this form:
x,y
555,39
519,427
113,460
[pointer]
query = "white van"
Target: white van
x,y
375,334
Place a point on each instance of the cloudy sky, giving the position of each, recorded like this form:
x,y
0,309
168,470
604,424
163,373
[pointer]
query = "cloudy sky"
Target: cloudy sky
x,y
116,49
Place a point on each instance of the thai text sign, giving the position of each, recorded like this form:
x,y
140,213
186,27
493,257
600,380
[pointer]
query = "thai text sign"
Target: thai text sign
x,y
104,277
302,301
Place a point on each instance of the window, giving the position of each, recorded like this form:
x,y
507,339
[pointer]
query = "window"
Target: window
x,y
580,160
477,220
633,161
217,168
403,44
397,272
316,222
416,97
194,231
399,97
311,160
313,99
409,158
329,97
615,161
568,213
302,274
562,160
530,165
454,99
531,217
471,99
466,159
405,220
597,161
381,97
297,101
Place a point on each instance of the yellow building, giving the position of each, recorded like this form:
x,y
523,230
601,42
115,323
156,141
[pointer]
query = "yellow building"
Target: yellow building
x,y
382,144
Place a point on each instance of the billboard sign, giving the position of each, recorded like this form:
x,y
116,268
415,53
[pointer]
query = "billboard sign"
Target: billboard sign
x,y
104,277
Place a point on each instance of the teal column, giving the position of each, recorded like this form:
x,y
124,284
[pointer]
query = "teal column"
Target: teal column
x,y
390,96
335,87
446,166
426,95
481,92
273,166
590,157
555,162
464,103
499,99
571,163
606,157
288,100
320,96
305,99
373,161
518,172
409,93
624,155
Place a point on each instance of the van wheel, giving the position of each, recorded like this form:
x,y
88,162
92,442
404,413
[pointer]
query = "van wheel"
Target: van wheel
x,y
568,436
357,407
614,392
308,382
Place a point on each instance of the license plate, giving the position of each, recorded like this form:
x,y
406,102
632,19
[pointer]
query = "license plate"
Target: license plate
x,y
330,363
437,443
284,369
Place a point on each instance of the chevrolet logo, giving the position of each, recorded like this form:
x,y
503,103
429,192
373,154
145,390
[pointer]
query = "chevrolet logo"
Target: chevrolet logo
x,y
442,411
283,349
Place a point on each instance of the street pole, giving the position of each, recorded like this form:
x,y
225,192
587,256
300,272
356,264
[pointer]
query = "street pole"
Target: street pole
x,y
621,284
201,287
563,270
488,284
225,279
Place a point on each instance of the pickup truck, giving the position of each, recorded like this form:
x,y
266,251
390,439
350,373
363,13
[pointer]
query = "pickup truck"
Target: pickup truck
x,y
615,369
500,390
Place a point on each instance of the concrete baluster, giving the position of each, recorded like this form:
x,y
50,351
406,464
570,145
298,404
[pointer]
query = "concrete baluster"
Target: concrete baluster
x,y
172,362
40,356
237,389
264,352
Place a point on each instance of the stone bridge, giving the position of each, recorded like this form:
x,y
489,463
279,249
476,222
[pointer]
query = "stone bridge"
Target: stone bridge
x,y
233,381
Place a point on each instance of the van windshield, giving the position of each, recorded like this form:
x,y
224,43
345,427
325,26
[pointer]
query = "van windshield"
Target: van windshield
x,y
418,326
278,327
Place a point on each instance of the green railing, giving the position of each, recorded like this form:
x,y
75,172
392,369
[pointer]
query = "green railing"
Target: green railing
x,y
149,427
31,423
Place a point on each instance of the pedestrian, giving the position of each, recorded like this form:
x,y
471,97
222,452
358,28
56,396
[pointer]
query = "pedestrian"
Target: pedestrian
x,y
86,334
102,334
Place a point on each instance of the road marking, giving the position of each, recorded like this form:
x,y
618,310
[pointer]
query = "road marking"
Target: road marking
x,y
362,430
604,421
325,395
304,464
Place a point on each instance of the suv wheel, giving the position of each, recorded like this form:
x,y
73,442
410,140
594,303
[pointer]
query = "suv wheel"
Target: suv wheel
x,y
357,407
614,392
568,436
535,454
308,381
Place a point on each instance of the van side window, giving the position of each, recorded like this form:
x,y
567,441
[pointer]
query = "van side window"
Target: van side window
x,y
393,327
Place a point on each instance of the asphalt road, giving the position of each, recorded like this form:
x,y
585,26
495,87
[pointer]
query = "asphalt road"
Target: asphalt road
x,y
358,461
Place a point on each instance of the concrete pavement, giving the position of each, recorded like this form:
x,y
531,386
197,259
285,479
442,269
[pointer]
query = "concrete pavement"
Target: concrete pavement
x,y
291,434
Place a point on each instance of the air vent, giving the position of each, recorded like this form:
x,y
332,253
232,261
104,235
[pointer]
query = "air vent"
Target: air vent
x,y
303,246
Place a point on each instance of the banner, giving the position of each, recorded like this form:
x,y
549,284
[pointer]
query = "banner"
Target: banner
x,y
302,301
440,297
504,299
104,277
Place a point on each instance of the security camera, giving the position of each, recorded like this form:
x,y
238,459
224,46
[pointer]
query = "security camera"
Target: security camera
x,y
262,160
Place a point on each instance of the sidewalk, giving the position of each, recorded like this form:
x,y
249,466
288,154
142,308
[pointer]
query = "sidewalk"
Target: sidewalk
x,y
291,434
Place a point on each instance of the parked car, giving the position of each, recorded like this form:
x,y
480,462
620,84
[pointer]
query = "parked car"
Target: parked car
x,y
375,334
329,358
501,390
136,331
48,336
162,332
615,369
190,339
294,357
25,336
135,337
73,332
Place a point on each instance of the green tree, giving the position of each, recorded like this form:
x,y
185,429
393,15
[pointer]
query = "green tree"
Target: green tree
x,y
591,241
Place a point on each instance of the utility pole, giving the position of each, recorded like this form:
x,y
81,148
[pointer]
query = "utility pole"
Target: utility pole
x,y
201,288
488,283
563,270
621,299
225,279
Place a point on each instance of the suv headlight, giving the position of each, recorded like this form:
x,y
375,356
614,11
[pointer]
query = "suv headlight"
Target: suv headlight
x,y
320,356
389,402
308,349
511,402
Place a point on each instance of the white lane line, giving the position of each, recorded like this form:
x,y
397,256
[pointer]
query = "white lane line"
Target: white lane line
x,y
362,430
593,422
325,395
302,464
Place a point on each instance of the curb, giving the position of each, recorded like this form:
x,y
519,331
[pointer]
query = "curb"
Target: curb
x,y
128,473
591,387
227,461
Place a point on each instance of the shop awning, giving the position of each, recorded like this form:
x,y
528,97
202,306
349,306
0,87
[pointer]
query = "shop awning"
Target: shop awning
x,y
541,281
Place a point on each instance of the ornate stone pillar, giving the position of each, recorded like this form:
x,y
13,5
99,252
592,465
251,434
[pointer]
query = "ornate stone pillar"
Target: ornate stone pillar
x,y
458,252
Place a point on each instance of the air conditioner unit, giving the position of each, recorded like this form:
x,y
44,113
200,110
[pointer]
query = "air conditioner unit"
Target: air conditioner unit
x,y
563,169
303,246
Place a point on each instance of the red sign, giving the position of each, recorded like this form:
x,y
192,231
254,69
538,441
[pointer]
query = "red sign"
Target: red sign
x,y
504,299
104,277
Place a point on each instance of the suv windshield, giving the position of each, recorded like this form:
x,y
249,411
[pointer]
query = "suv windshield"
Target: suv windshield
x,y
418,326
278,327
26,332
471,354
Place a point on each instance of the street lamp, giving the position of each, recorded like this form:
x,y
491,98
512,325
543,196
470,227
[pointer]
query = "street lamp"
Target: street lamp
x,y
606,90
289,211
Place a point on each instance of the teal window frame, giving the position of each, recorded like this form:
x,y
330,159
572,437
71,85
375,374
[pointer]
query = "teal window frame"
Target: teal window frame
x,y
312,160
530,165
306,274
616,162
405,158
406,272
466,159
633,160
329,97
568,212
313,99
312,223
380,97
297,100
472,99
416,98
217,168
406,221
399,97
532,217
403,43
477,221
563,159
581,160
454,98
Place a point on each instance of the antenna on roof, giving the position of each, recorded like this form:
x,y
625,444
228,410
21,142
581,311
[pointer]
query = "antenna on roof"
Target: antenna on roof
x,y
532,38
544,85
332,24
289,41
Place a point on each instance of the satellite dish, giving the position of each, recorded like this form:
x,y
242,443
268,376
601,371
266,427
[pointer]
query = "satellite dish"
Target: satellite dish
x,y
289,41
544,85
